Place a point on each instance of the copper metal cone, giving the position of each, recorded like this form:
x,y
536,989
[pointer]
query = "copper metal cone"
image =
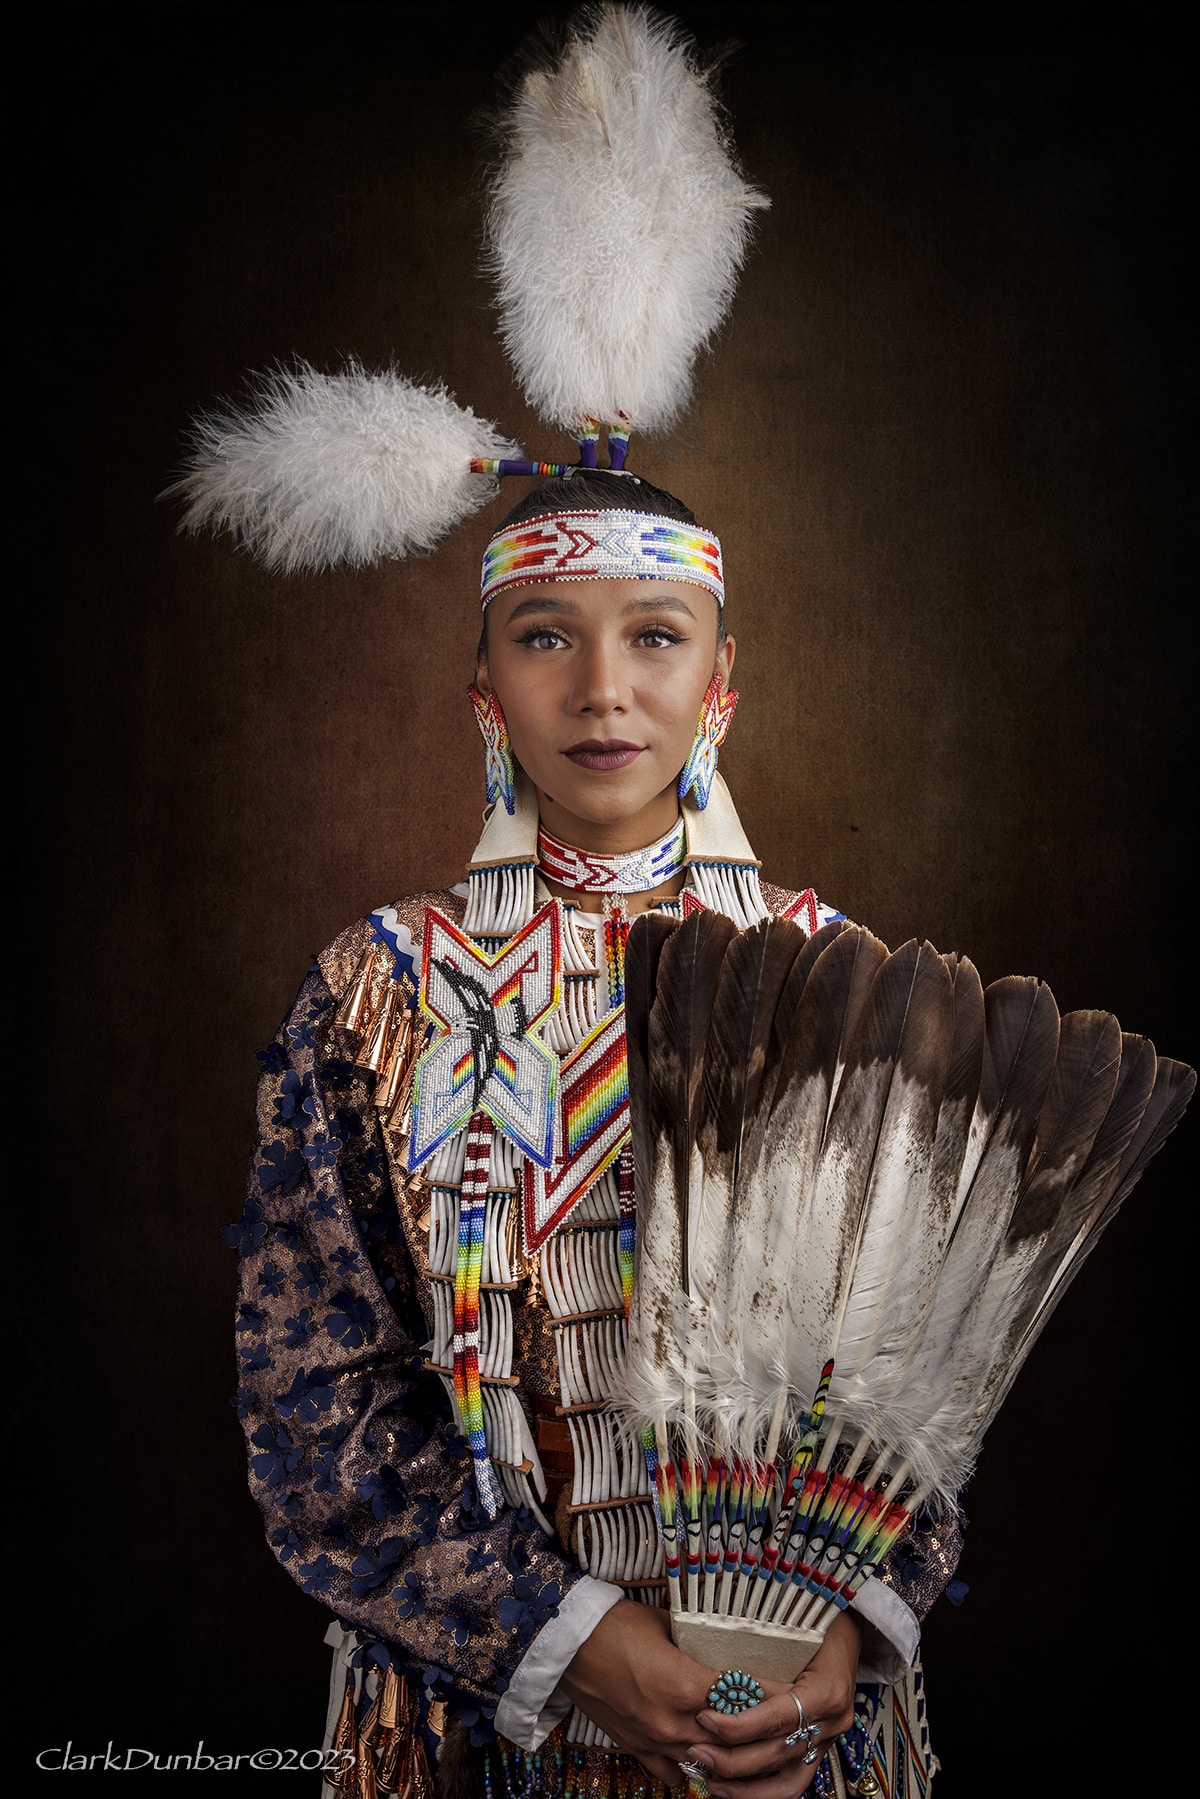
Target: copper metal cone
x,y
371,1727
400,1114
366,1786
391,1754
355,1000
345,1742
391,1700
419,1782
392,1076
375,1054
397,1713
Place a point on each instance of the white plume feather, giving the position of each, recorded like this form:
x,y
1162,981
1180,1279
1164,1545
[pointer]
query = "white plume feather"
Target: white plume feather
x,y
618,224
321,470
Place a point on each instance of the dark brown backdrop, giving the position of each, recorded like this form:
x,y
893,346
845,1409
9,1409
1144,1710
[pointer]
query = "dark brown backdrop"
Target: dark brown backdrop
x,y
942,443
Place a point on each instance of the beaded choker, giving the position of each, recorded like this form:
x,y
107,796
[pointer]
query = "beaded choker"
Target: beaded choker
x,y
586,871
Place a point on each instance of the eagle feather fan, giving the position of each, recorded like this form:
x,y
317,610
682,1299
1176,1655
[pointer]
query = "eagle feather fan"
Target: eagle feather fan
x,y
864,1183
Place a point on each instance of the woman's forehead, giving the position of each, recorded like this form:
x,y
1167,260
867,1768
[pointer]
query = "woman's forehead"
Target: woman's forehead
x,y
603,597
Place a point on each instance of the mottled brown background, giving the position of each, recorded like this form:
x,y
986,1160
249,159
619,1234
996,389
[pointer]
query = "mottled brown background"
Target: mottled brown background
x,y
943,441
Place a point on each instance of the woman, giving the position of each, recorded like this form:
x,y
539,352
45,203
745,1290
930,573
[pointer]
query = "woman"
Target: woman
x,y
457,1558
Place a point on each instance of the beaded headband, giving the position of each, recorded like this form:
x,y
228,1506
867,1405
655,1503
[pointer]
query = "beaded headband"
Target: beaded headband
x,y
585,546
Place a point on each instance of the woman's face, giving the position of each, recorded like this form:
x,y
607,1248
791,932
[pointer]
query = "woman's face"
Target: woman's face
x,y
601,682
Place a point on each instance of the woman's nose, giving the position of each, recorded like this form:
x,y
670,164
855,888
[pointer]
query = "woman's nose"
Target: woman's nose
x,y
600,685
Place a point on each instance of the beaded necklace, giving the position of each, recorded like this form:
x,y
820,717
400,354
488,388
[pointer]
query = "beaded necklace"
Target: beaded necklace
x,y
637,871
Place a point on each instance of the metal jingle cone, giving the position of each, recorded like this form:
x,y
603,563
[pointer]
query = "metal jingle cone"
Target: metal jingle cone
x,y
392,1697
375,1053
356,1000
398,1115
394,1073
389,1774
345,1746
371,1728
367,1785
396,1714
417,1778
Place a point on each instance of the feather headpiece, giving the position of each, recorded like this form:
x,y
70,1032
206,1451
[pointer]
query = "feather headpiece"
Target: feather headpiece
x,y
866,1183
617,226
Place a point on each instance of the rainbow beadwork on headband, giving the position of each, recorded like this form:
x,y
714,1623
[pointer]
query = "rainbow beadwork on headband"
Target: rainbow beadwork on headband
x,y
585,546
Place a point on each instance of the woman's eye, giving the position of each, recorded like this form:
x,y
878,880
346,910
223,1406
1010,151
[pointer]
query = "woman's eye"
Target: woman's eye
x,y
544,639
657,637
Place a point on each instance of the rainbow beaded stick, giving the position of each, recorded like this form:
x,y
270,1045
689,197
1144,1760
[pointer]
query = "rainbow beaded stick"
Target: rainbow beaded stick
x,y
667,1506
714,1510
467,1390
506,465
691,1492
618,446
589,443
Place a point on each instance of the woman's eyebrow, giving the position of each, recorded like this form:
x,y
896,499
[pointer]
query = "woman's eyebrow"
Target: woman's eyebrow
x,y
663,602
544,603
567,608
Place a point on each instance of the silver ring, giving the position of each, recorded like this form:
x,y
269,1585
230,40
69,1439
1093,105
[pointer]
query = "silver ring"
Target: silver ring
x,y
804,1732
695,1771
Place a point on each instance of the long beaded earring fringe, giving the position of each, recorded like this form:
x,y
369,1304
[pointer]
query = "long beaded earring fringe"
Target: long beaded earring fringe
x,y
498,766
716,715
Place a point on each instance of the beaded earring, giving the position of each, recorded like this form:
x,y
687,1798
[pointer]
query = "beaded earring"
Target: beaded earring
x,y
498,765
716,715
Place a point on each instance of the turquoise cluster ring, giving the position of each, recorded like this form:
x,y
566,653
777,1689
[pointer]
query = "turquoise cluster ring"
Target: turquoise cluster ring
x,y
734,1692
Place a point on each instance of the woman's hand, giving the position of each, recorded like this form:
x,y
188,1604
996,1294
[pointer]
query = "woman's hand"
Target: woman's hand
x,y
653,1701
633,1682
752,1760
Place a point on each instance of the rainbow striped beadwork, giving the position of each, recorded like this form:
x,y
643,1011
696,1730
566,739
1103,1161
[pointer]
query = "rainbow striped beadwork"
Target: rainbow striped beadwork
x,y
616,936
584,546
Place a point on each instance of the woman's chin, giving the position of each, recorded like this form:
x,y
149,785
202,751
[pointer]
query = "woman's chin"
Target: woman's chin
x,y
609,801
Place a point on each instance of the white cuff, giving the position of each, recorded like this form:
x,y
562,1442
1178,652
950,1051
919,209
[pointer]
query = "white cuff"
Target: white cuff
x,y
891,1634
531,1707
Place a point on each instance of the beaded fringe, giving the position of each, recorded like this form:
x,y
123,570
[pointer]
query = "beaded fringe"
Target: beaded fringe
x,y
499,900
567,1770
732,888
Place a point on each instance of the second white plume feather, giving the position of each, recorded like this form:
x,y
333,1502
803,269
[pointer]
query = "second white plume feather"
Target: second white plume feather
x,y
347,469
618,224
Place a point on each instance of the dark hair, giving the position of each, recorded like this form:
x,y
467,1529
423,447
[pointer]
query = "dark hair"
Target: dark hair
x,y
601,488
